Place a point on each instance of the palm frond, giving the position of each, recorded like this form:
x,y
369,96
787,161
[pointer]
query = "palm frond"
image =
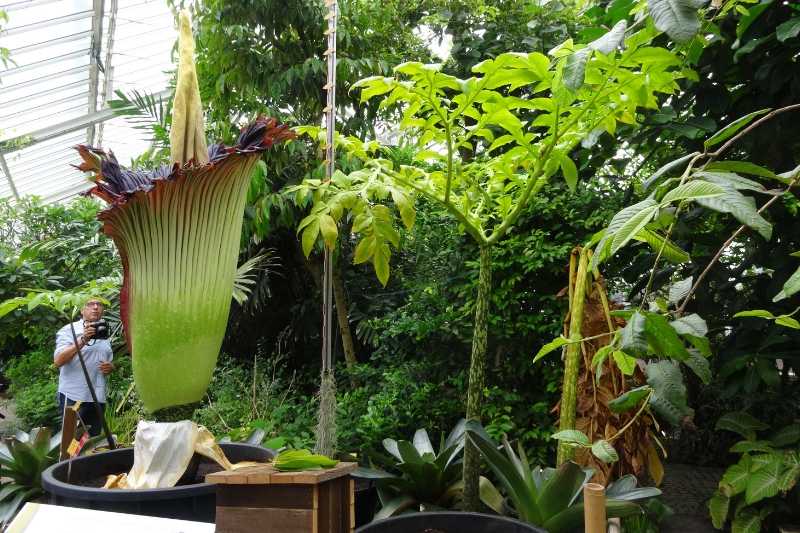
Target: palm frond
x,y
251,279
145,111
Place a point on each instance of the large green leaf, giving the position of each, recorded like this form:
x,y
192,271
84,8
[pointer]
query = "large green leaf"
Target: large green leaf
x,y
669,250
731,179
10,507
746,521
558,491
632,337
669,392
520,494
745,167
630,399
692,190
788,29
677,18
730,130
742,423
611,40
734,480
668,168
690,325
718,509
572,436
699,365
791,287
632,227
570,520
648,205
786,436
663,338
603,450
555,344
679,290
625,363
742,207
764,482
408,452
575,68
423,443
396,506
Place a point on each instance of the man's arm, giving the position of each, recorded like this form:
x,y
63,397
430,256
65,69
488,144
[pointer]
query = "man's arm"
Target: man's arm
x,y
66,354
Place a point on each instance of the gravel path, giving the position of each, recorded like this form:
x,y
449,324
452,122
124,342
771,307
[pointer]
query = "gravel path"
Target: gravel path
x,y
8,425
686,490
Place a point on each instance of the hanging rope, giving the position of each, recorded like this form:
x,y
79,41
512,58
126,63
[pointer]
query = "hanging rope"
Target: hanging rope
x,y
326,420
330,124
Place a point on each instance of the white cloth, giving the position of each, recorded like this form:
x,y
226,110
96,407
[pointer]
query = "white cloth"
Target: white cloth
x,y
162,451
71,382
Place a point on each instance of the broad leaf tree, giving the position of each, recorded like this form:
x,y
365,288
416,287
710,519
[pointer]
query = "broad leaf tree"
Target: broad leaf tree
x,y
517,119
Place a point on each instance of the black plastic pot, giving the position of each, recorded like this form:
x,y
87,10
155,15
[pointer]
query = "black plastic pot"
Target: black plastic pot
x,y
449,522
186,502
366,501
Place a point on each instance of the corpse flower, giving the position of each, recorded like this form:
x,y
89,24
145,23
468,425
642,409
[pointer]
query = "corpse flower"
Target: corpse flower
x,y
177,229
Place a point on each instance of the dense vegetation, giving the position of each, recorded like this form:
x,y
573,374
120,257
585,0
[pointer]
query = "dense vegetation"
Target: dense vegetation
x,y
404,337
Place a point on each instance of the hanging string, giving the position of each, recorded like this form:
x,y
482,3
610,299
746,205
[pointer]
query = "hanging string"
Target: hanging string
x,y
326,421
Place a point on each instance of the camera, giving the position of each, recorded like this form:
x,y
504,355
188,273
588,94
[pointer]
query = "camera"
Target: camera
x,y
101,329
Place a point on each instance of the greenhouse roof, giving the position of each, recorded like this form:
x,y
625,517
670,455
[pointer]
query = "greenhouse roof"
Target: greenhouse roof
x,y
67,58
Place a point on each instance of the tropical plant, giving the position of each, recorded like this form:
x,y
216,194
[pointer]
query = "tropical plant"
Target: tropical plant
x,y
23,458
164,223
551,497
428,479
763,483
484,152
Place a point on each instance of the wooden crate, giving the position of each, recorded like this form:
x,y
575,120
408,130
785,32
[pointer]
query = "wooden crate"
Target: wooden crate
x,y
264,500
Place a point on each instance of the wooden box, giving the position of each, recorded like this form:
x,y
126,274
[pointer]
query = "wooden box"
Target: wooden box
x,y
264,500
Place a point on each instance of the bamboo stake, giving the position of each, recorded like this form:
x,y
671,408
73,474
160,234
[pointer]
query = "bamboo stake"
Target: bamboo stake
x,y
594,511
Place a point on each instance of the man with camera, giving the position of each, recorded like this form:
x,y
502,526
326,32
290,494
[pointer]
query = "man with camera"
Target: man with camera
x,y
92,333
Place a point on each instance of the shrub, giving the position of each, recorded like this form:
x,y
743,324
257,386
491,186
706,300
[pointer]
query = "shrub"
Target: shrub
x,y
36,404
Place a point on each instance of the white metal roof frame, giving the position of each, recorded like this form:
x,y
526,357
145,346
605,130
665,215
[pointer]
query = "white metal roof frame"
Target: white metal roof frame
x,y
68,57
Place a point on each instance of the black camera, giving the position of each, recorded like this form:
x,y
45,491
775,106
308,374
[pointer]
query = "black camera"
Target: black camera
x,y
101,330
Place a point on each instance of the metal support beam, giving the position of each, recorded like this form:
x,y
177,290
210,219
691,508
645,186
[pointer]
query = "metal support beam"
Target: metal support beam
x,y
22,141
94,63
7,172
108,78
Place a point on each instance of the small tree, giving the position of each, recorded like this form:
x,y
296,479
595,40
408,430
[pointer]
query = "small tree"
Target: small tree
x,y
486,146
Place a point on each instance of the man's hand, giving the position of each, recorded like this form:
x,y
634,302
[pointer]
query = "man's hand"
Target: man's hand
x,y
106,368
88,331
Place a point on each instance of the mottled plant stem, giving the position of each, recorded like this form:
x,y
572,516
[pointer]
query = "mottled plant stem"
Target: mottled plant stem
x,y
572,358
472,461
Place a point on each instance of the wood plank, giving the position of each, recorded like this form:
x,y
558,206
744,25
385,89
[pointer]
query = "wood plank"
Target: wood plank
x,y
262,520
276,496
315,517
267,474
351,498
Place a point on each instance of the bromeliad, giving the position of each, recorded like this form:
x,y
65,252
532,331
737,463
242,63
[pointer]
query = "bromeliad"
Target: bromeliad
x,y
177,230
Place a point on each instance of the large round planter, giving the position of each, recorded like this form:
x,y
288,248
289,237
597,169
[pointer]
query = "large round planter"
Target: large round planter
x,y
449,522
187,502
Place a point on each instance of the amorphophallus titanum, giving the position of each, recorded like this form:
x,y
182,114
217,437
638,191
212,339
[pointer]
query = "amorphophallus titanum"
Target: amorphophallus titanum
x,y
178,230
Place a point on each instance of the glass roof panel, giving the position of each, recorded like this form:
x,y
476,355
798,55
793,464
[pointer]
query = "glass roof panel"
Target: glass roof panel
x,y
52,97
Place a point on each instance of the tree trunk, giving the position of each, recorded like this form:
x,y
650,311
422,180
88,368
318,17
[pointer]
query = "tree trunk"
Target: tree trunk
x,y
472,461
340,302
342,316
572,361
